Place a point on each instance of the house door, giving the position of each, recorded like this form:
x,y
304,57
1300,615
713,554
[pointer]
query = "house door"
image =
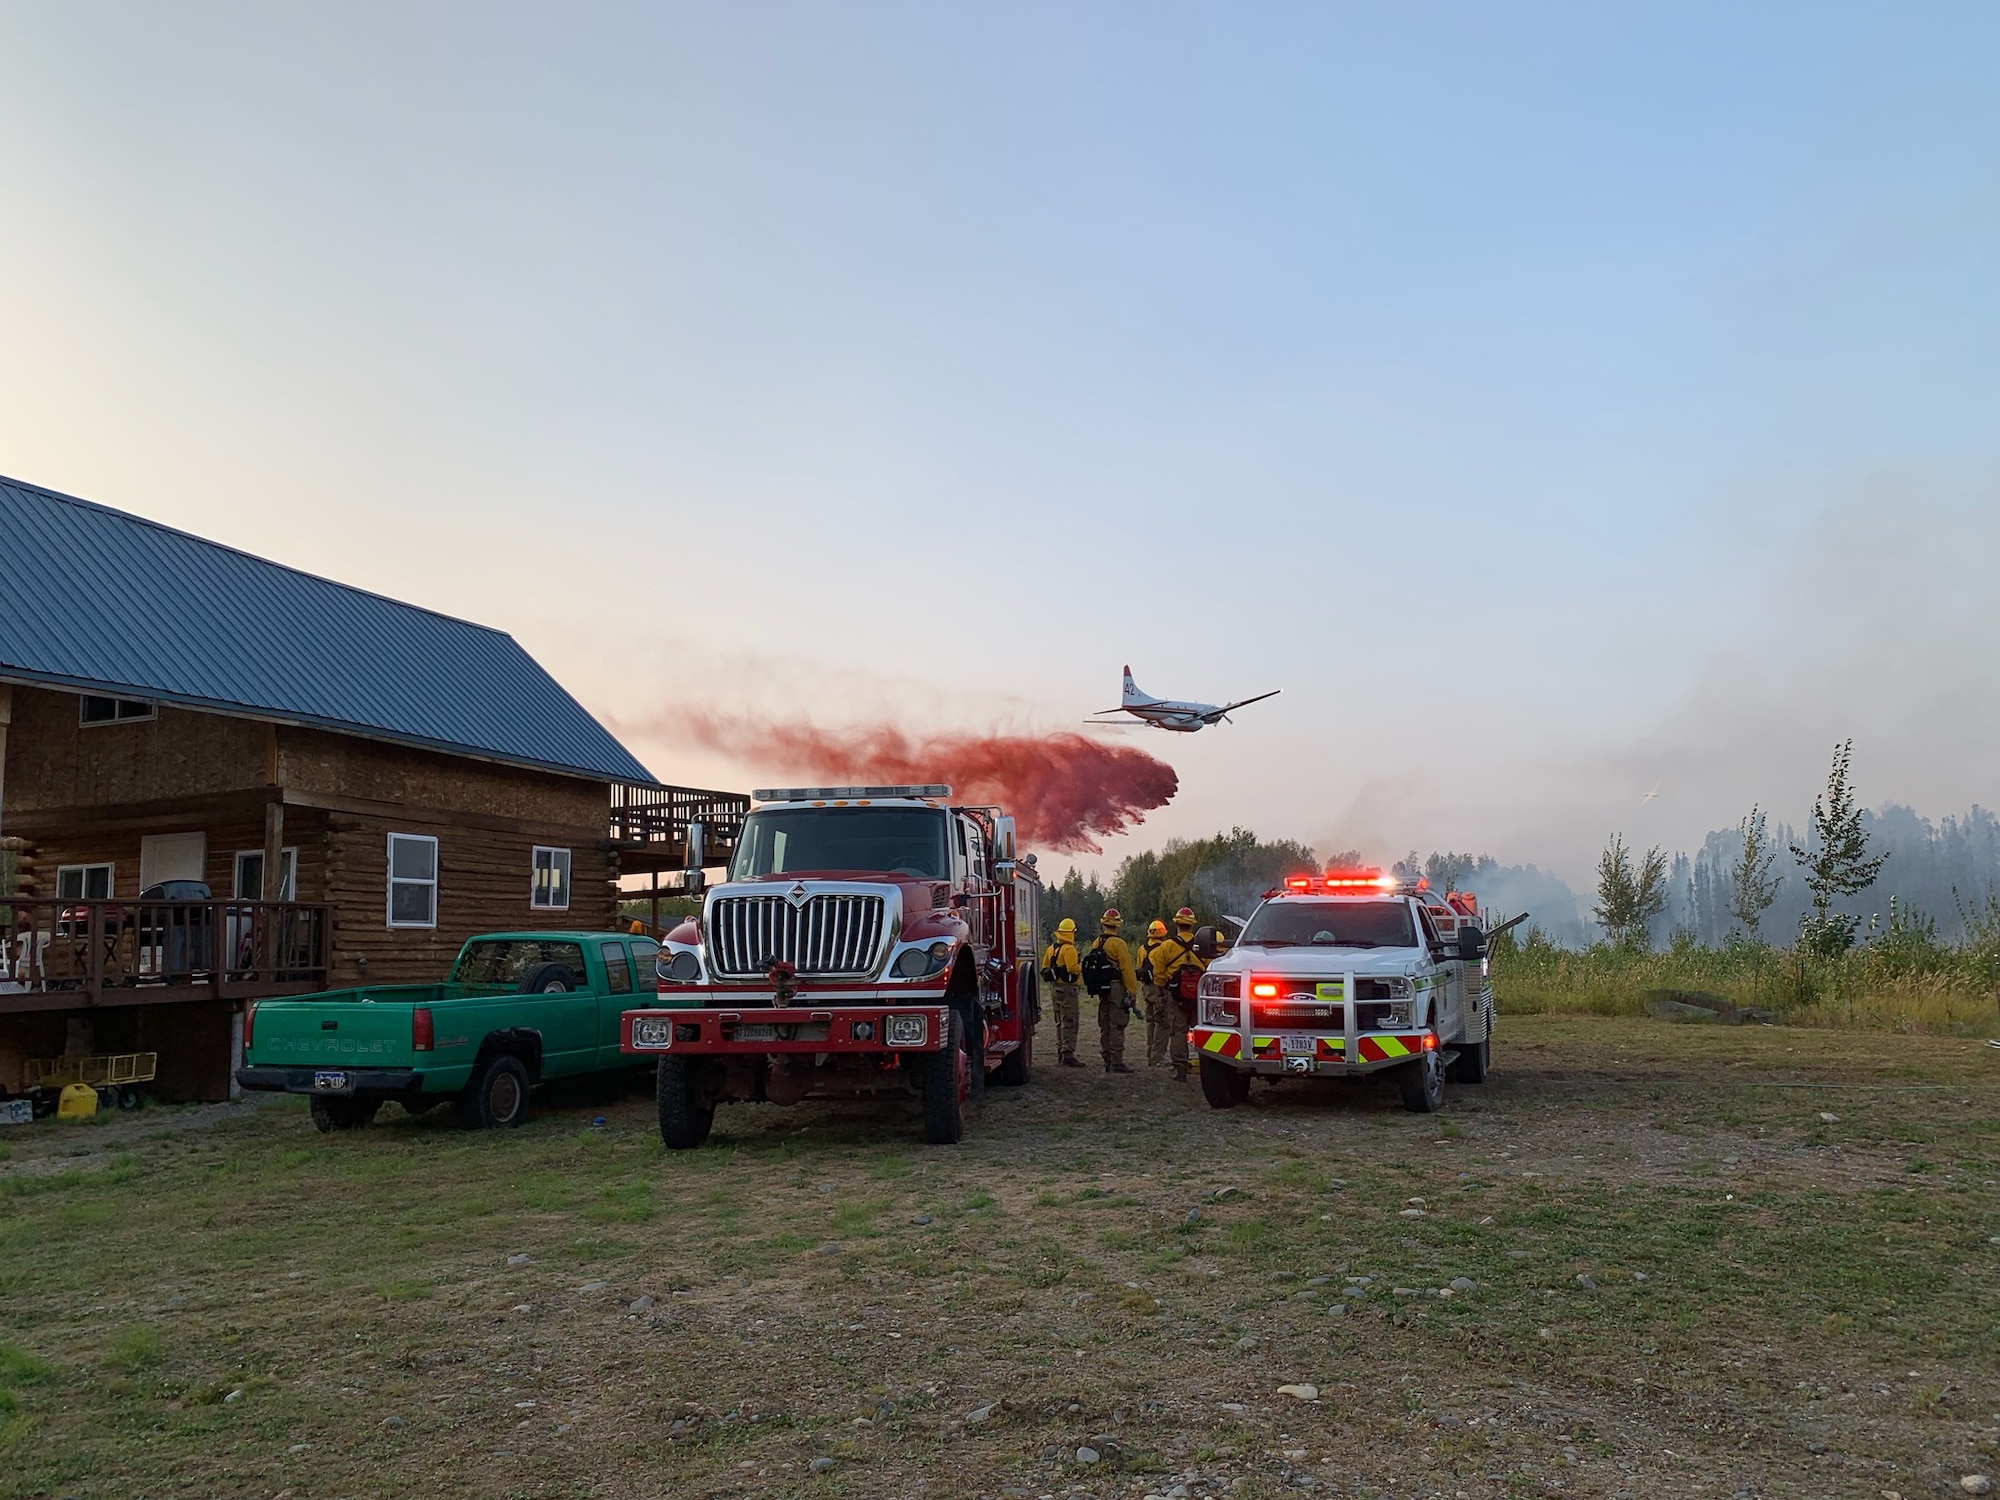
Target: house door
x,y
171,856
172,942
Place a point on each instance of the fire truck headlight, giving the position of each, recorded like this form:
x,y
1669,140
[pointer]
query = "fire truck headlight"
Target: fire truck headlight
x,y
921,963
1216,1011
652,1031
906,1031
1398,1014
681,968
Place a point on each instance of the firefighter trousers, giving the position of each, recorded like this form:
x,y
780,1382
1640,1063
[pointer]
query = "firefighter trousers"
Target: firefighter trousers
x,y
1113,1012
1066,1000
1180,1016
1158,1025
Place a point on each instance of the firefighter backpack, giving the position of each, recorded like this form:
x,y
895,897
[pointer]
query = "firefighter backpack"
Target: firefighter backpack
x,y
1099,972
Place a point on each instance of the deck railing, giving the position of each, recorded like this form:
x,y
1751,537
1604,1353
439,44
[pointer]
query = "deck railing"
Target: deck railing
x,y
656,818
102,948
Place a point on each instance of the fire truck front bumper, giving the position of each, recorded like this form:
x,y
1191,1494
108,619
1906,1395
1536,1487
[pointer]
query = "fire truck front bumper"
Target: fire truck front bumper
x,y
1279,1054
765,1030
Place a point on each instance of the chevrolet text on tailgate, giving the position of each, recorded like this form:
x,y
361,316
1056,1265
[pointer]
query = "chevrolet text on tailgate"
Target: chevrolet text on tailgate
x,y
869,942
1345,974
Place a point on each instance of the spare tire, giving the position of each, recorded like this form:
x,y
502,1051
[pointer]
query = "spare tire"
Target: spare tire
x,y
548,979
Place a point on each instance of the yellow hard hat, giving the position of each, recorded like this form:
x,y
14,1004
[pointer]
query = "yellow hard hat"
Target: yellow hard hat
x,y
1158,929
1184,917
1065,927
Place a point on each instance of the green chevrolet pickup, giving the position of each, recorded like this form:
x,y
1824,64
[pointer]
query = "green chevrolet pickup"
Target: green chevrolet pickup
x,y
519,1008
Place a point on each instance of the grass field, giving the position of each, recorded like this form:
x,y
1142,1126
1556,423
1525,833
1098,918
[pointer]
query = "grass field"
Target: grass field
x,y
1707,1261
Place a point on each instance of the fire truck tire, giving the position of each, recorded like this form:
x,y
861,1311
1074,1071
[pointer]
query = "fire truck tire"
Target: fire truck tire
x,y
1422,1084
974,1033
684,1119
1017,1066
947,1080
1470,1064
342,1114
1223,1086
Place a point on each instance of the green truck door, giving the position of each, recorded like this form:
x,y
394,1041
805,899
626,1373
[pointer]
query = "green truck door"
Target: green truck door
x,y
626,967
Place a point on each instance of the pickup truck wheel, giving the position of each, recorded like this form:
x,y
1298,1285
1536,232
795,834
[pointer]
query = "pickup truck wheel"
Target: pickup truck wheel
x,y
342,1114
497,1097
1223,1086
1470,1064
548,979
1422,1084
947,1081
684,1119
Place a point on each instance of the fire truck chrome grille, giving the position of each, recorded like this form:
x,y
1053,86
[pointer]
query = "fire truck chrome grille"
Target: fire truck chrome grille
x,y
826,937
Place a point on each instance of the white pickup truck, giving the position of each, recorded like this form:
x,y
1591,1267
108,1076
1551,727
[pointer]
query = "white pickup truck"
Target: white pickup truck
x,y
1347,974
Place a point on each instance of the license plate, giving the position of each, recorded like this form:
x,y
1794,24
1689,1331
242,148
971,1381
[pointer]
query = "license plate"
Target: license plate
x,y
756,1032
1306,1045
330,1082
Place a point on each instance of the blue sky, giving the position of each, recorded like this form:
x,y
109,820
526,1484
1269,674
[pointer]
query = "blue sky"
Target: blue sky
x,y
1554,400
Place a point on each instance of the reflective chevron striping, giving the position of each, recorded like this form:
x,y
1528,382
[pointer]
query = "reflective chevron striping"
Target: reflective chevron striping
x,y
1215,1043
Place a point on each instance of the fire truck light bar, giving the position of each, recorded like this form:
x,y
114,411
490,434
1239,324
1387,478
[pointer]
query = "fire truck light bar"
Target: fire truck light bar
x,y
843,793
1345,882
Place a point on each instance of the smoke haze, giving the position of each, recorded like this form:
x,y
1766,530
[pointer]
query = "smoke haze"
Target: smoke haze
x,y
1066,791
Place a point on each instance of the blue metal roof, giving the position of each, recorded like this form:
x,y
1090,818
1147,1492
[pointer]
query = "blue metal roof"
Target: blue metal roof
x,y
112,603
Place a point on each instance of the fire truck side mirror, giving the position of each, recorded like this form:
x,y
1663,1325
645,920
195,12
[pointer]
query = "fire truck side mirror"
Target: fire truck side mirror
x,y
1471,943
1003,871
694,881
1206,946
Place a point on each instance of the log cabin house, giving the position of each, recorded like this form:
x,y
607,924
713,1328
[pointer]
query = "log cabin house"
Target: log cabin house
x,y
223,779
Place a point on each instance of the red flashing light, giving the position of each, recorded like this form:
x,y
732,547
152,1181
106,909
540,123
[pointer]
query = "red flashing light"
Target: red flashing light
x,y
1423,882
1298,882
1372,880
1264,990
423,1038
1430,1041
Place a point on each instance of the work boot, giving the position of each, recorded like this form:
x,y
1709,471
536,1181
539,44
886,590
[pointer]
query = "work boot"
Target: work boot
x,y
1070,1061
1117,1067
1180,1072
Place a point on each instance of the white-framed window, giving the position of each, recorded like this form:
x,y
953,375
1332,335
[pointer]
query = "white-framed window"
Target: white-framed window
x,y
550,889
250,875
84,882
94,710
413,880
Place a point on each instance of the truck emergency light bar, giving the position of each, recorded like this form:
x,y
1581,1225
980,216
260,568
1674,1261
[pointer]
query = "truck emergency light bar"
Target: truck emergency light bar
x,y
843,793
1354,882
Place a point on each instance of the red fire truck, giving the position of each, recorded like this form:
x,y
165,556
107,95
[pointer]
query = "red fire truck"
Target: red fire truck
x,y
868,942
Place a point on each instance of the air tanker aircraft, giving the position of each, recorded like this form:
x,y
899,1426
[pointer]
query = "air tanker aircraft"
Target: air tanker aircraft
x,y
1167,713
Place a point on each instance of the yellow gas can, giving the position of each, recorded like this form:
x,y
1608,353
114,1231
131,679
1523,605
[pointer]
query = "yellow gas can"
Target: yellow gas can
x,y
78,1102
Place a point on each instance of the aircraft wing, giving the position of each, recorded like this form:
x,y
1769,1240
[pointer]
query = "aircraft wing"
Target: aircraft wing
x,y
1213,714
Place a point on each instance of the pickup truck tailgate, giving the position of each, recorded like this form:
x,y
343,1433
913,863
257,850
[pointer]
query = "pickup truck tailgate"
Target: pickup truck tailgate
x,y
373,1033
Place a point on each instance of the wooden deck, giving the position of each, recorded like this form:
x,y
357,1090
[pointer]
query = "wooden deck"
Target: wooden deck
x,y
70,955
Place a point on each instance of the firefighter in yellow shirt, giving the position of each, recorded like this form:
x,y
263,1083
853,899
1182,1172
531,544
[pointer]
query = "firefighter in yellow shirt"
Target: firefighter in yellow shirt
x,y
1154,995
1062,973
1112,981
1177,969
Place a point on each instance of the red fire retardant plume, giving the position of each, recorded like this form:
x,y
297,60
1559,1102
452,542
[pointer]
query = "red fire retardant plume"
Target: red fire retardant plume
x,y
1065,791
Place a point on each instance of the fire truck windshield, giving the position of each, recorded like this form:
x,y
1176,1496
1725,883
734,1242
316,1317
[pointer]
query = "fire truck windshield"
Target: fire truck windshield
x,y
879,840
1330,924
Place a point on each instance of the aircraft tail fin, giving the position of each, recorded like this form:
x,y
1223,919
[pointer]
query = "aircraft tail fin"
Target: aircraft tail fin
x,y
1133,697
